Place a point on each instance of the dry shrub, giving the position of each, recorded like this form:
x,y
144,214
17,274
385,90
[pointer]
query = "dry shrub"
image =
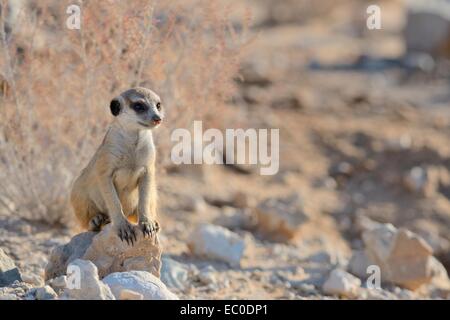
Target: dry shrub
x,y
296,11
56,84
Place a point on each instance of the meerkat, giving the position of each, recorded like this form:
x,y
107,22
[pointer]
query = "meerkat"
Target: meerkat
x,y
119,181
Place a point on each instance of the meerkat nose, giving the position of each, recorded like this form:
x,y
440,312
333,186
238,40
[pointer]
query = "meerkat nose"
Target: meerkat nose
x,y
156,119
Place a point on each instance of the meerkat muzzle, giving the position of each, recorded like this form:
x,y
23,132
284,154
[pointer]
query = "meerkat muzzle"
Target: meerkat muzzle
x,y
156,120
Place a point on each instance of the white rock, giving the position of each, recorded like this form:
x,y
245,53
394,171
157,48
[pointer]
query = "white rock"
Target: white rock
x,y
342,283
58,283
174,274
379,240
207,275
130,295
8,296
141,282
32,279
90,287
439,276
21,290
45,293
8,270
404,258
217,243
6,263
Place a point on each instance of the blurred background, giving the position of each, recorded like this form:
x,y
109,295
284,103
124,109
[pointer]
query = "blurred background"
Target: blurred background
x,y
363,118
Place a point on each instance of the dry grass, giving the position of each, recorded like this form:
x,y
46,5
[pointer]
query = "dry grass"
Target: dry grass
x,y
56,84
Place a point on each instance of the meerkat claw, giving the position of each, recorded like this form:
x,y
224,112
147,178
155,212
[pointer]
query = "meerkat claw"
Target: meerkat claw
x,y
126,233
98,221
146,229
149,228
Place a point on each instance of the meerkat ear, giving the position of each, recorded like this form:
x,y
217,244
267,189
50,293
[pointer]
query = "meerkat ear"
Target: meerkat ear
x,y
115,107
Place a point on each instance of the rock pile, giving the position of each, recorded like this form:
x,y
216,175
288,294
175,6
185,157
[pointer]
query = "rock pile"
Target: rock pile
x,y
107,252
99,266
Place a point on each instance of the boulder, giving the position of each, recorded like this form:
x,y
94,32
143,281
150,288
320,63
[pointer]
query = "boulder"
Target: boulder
x,y
8,270
341,283
89,286
216,242
110,254
62,255
141,282
404,258
280,219
427,29
107,252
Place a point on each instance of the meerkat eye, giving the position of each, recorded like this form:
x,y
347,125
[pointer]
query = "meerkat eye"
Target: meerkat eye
x,y
139,107
158,106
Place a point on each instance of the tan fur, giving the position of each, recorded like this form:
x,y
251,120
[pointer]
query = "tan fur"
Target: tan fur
x,y
119,181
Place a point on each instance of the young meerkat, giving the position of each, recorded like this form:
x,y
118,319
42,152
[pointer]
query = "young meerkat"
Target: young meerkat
x,y
119,181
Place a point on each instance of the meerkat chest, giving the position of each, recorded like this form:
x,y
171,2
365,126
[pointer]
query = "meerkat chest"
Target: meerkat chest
x,y
144,151
140,155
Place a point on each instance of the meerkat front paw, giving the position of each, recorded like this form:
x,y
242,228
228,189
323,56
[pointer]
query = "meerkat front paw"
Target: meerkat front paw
x,y
149,227
126,232
98,221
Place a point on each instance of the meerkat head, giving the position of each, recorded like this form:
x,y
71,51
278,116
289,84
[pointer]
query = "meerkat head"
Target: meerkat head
x,y
138,108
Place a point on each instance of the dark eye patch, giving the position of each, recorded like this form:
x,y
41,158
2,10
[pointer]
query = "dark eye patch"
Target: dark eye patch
x,y
158,106
139,107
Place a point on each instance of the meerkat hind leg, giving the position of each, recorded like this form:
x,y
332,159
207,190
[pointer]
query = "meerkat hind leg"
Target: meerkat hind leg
x,y
98,221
